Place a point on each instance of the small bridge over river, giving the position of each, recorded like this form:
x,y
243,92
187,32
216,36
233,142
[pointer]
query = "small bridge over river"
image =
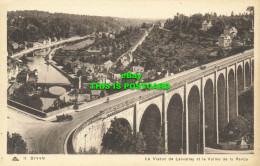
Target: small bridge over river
x,y
42,85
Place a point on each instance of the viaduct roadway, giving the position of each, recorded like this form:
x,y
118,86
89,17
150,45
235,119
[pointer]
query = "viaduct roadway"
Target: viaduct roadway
x,y
49,137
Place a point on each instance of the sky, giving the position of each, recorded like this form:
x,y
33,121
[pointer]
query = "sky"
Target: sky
x,y
132,8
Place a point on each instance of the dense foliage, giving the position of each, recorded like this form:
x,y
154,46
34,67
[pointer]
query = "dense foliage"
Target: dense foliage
x,y
155,144
16,144
192,24
238,128
24,96
244,125
92,150
120,139
35,25
181,44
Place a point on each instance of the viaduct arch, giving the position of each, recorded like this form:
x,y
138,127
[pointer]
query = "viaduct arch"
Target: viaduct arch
x,y
150,125
232,95
195,120
247,75
175,121
222,114
209,112
240,79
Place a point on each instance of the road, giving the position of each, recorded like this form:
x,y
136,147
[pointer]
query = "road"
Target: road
x,y
219,151
135,46
47,46
50,136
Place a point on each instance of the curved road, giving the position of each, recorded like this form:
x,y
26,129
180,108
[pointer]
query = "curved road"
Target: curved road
x,y
50,136
19,54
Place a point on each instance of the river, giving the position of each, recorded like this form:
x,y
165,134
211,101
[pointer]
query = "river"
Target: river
x,y
46,73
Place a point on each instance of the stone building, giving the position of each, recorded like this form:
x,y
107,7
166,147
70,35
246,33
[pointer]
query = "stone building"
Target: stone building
x,y
224,40
138,69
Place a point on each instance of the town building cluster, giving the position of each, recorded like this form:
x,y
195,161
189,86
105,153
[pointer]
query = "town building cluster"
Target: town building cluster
x,y
39,43
225,39
18,75
110,35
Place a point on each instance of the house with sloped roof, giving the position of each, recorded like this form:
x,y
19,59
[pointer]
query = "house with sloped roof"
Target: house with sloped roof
x,y
102,78
126,59
231,31
224,40
138,69
89,67
116,77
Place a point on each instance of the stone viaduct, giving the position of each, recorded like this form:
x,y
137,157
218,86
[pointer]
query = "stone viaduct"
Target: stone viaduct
x,y
191,114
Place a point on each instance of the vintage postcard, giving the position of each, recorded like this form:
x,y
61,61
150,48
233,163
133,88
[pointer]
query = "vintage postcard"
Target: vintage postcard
x,y
142,82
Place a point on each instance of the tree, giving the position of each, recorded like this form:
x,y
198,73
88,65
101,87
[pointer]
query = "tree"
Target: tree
x,y
250,9
119,63
236,129
202,59
104,36
246,103
194,32
246,109
179,62
155,143
16,144
120,139
92,150
35,102
232,14
144,25
22,95
220,53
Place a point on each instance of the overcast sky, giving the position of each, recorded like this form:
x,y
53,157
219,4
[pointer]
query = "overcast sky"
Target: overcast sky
x,y
132,8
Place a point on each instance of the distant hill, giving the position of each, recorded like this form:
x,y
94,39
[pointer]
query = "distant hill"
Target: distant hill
x,y
34,25
136,21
